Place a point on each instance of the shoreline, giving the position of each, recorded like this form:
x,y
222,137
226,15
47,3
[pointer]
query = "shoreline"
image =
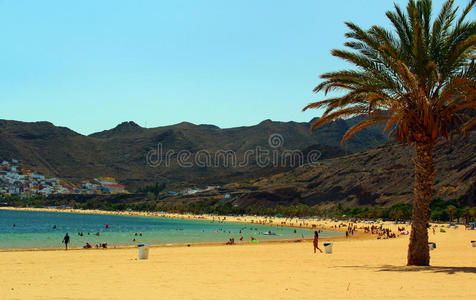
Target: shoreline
x,y
260,220
186,245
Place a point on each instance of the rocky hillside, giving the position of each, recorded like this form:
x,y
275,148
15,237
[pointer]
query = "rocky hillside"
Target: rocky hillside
x,y
382,176
121,152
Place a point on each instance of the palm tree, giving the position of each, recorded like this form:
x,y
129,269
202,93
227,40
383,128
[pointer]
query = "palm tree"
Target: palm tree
x,y
396,213
466,213
451,210
472,211
419,80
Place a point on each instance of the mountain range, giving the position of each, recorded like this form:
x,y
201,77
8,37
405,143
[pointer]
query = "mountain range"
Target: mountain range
x,y
368,170
125,152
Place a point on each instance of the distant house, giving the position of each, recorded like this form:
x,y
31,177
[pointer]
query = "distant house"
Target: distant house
x,y
108,185
190,191
45,191
89,186
113,188
64,190
37,176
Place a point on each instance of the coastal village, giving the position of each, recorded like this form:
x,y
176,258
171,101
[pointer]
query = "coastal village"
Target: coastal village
x,y
17,180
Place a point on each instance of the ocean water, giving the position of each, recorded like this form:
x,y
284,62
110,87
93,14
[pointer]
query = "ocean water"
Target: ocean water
x,y
41,230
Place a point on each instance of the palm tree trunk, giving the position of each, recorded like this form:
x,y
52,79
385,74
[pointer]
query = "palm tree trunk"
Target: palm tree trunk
x,y
418,251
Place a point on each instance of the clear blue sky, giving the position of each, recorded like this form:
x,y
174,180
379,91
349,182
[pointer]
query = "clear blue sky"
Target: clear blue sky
x,y
90,65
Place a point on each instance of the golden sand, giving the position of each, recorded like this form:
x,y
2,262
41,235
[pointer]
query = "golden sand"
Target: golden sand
x,y
358,268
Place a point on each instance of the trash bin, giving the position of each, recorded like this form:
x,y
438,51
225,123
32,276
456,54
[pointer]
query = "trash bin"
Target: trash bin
x,y
328,248
432,246
473,243
143,251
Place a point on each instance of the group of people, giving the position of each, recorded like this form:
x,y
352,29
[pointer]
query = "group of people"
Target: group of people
x,y
383,233
67,240
231,241
386,233
136,234
101,245
351,228
82,234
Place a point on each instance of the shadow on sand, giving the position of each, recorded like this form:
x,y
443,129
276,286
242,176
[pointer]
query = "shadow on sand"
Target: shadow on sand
x,y
433,269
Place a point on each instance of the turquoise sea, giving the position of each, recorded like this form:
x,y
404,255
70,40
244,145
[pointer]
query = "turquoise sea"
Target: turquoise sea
x,y
42,230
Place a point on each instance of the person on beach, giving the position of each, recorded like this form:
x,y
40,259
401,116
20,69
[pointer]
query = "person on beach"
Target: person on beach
x,y
66,240
315,241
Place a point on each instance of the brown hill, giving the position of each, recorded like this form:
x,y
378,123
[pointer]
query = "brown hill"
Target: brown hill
x,y
121,152
382,176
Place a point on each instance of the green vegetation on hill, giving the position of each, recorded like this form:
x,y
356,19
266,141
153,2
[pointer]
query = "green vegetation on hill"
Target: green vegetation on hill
x,y
440,210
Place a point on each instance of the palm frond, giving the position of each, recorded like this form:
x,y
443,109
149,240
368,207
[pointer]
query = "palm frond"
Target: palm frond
x,y
419,78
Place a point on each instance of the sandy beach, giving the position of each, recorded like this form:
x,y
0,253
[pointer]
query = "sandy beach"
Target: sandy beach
x,y
359,268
